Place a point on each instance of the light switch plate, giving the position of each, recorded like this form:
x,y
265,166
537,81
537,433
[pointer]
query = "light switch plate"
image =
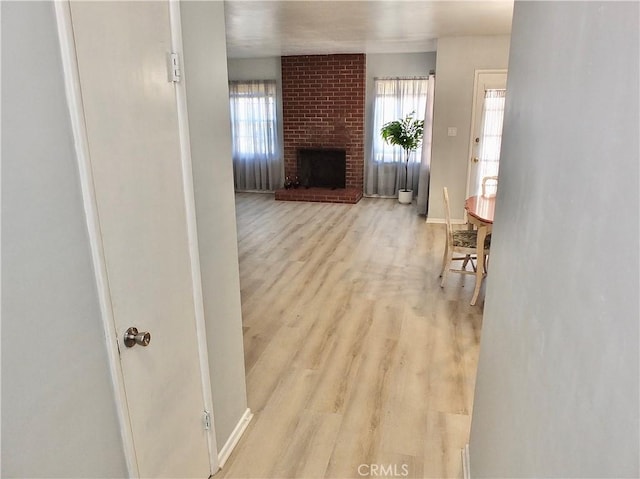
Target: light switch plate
x,y
452,131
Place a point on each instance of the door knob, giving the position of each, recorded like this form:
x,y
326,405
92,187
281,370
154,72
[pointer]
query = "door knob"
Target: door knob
x,y
133,337
476,159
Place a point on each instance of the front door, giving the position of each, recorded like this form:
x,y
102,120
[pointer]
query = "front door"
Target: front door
x,y
486,130
132,126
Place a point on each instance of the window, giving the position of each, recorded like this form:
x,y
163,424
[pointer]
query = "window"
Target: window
x,y
490,134
395,98
254,131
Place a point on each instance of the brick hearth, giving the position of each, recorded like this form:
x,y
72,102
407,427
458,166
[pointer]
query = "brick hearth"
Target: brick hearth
x,y
323,100
325,195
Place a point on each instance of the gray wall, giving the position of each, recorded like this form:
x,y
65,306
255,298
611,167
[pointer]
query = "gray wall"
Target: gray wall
x,y
557,385
261,69
378,65
254,68
458,59
58,409
391,65
206,80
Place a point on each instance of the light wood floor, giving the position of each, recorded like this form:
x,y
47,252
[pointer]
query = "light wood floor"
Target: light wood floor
x,y
354,354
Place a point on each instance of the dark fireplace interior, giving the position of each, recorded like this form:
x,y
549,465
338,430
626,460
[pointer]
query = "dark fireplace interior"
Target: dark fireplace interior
x,y
322,167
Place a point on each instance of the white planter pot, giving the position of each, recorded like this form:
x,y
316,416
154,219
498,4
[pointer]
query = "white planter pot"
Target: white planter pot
x,y
405,196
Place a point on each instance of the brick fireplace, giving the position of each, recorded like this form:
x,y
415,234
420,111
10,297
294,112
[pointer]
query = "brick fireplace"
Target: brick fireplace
x,y
323,101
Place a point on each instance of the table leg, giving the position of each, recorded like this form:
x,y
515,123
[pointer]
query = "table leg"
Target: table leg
x,y
482,234
467,258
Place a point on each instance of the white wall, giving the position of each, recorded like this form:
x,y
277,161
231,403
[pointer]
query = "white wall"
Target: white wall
x,y
458,59
557,385
391,65
207,87
58,409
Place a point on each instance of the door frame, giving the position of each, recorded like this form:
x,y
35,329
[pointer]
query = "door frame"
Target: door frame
x,y
73,94
476,79
192,233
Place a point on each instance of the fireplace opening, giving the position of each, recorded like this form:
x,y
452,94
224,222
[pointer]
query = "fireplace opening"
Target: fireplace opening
x,y
322,167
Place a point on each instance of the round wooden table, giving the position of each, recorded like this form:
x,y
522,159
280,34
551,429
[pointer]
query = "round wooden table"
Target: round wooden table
x,y
480,209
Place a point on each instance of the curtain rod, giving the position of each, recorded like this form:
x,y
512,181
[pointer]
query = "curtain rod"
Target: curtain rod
x,y
402,78
431,72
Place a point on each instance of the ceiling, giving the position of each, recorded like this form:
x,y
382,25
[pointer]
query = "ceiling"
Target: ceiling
x,y
266,28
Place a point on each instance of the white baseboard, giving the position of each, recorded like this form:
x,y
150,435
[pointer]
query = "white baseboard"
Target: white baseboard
x,y
235,436
466,463
262,192
442,221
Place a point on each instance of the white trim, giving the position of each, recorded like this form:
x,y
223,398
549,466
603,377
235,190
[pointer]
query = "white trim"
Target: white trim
x,y
192,233
234,438
474,100
76,113
261,192
382,197
441,221
466,462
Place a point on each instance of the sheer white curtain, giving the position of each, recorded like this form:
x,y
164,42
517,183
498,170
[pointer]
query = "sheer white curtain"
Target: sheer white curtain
x,y
422,202
257,164
394,99
490,136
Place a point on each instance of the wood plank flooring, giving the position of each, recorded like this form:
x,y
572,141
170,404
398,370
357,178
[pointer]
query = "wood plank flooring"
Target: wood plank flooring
x,y
354,354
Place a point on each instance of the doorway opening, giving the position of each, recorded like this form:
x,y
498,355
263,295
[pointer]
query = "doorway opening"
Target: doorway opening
x,y
486,129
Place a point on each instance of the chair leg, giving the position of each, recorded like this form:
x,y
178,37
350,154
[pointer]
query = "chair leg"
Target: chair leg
x,y
446,265
476,290
445,257
444,274
480,271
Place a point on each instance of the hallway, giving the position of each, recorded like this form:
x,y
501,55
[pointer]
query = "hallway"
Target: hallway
x,y
355,357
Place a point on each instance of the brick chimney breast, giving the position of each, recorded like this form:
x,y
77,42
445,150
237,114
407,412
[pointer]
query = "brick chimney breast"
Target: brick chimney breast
x,y
323,101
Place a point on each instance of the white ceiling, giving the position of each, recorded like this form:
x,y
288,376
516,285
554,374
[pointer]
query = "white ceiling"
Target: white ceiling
x,y
304,27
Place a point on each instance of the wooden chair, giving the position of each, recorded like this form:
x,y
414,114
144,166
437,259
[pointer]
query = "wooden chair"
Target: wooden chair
x,y
493,186
463,242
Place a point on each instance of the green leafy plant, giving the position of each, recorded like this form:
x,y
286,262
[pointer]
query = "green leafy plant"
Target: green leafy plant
x,y
407,134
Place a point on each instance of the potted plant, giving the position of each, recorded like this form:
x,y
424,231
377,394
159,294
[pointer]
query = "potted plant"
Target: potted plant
x,y
407,134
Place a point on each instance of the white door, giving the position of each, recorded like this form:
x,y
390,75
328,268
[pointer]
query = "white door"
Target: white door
x,y
486,128
131,119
